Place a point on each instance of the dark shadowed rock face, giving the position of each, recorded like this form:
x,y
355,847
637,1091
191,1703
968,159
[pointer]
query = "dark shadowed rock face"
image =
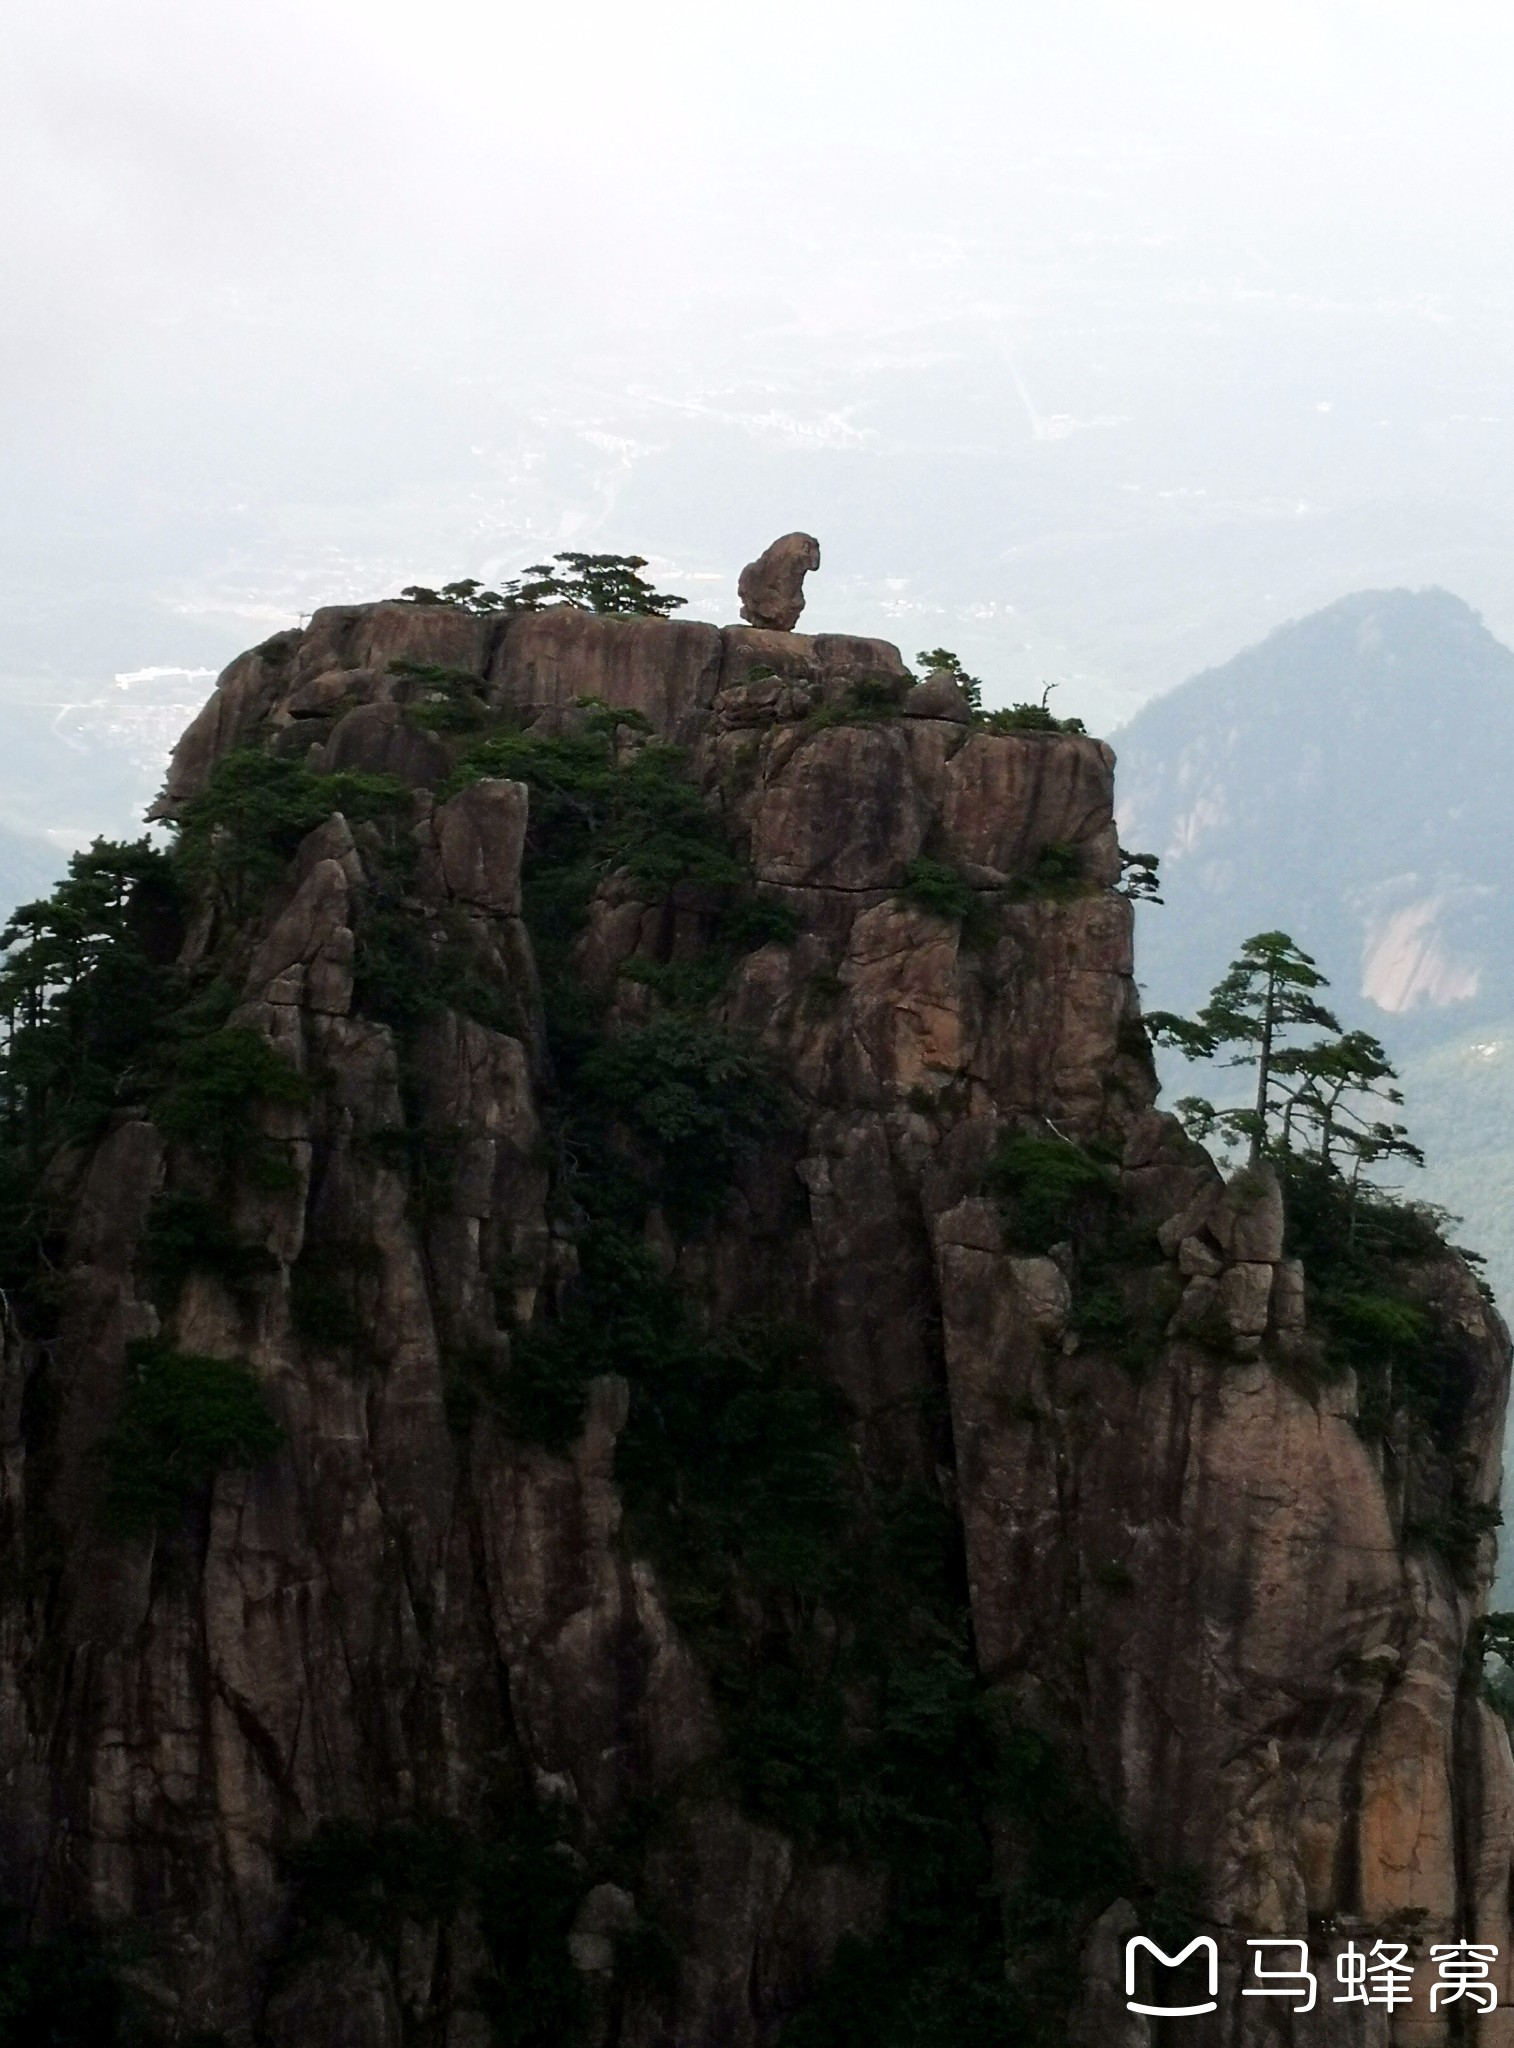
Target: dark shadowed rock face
x,y
431,1713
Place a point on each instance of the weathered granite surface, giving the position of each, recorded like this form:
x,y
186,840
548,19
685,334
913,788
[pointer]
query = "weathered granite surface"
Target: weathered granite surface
x,y
1205,1574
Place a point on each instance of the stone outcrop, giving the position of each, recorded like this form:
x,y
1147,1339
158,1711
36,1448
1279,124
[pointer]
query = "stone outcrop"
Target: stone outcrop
x,y
1190,1572
244,693
939,696
771,589
666,669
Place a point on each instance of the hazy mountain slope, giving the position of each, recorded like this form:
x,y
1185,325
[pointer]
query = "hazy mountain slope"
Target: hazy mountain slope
x,y
1460,1099
1348,779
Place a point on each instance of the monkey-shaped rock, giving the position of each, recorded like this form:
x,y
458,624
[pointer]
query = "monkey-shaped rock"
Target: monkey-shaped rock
x,y
771,589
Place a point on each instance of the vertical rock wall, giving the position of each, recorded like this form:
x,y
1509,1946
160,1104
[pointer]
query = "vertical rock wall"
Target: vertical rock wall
x,y
1198,1575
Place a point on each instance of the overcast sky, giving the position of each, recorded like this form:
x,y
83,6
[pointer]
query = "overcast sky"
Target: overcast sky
x,y
1092,339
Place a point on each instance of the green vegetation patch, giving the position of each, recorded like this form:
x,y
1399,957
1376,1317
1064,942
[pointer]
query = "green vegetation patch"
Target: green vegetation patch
x,y
694,1100
1030,718
1456,1528
1360,1250
238,837
442,700
220,1081
636,809
187,1233
1056,872
73,1992
84,987
413,965
184,1419
931,886
944,892
517,1880
871,700
1045,1188
696,980
602,806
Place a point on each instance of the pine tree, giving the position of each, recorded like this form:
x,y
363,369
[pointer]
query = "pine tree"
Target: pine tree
x,y
611,584
1316,1100
933,661
80,984
1339,1080
1267,994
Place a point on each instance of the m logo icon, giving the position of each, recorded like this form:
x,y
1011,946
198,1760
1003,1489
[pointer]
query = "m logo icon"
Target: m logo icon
x,y
1210,1947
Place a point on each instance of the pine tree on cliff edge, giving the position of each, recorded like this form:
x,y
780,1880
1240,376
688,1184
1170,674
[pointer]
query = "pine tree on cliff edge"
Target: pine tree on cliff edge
x,y
1326,1088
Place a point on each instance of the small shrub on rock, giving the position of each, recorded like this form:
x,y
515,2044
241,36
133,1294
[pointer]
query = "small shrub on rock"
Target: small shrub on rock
x,y
184,1419
695,1096
1031,718
931,885
1042,1185
219,1081
1057,872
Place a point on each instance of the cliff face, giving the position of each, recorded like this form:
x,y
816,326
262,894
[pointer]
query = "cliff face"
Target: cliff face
x,y
804,1502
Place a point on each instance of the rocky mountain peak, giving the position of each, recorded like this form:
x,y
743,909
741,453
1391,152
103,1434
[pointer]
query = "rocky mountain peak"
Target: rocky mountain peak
x,y
624,1423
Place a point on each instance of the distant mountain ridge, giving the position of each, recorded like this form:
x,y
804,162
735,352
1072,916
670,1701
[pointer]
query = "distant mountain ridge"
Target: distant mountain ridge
x,y
1348,778
1349,781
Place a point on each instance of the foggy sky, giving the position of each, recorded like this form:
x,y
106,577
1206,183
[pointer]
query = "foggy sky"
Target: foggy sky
x,y
1092,340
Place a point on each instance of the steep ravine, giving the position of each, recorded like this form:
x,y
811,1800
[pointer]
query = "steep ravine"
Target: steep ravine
x,y
803,1507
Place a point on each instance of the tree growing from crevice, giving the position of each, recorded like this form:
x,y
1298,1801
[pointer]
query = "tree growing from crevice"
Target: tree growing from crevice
x,y
1139,879
938,661
1322,1097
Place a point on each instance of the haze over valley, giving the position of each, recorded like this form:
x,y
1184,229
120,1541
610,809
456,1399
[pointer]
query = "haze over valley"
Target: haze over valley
x,y
635,1412
1094,342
